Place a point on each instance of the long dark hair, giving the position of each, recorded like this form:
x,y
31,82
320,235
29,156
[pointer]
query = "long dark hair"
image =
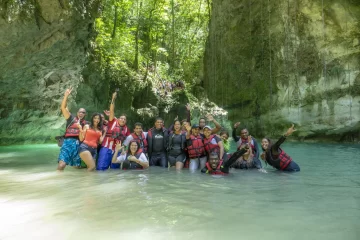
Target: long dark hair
x,y
100,125
269,146
174,125
138,145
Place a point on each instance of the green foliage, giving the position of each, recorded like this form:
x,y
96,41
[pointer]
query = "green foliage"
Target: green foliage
x,y
156,39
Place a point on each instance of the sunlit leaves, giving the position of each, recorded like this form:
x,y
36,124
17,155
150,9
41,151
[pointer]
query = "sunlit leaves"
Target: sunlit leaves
x,y
152,21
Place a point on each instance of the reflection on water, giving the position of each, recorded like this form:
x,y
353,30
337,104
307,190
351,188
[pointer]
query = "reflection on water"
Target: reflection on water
x,y
320,202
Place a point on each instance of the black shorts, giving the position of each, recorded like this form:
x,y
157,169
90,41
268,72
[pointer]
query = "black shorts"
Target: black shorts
x,y
84,147
174,159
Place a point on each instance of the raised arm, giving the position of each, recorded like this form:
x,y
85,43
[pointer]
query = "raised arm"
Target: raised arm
x,y
112,107
115,156
217,125
82,131
282,139
221,145
64,109
188,114
103,135
236,138
235,156
188,130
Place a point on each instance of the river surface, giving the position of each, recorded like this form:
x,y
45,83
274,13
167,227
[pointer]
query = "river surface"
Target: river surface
x,y
321,202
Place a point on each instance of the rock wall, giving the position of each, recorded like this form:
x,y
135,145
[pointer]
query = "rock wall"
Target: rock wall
x,y
43,49
273,63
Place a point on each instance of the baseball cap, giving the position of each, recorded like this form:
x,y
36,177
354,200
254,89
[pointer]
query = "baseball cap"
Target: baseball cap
x,y
208,127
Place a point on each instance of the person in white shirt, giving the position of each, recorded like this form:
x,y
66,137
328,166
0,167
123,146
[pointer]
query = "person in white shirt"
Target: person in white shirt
x,y
133,158
139,136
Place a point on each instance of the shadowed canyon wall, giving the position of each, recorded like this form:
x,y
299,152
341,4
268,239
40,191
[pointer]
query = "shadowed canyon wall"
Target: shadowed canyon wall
x,y
273,63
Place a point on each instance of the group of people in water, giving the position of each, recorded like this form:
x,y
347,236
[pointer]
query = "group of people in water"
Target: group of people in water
x,y
103,144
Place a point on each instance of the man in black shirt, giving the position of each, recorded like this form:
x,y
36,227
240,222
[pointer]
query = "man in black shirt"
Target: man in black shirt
x,y
215,166
157,143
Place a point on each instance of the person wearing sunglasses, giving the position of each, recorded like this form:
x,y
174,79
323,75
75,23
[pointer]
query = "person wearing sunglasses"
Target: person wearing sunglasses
x,y
69,150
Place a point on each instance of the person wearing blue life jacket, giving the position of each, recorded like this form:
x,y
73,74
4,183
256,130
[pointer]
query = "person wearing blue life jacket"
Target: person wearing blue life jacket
x,y
216,166
275,156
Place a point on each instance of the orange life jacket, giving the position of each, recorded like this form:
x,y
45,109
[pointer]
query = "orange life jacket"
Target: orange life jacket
x,y
142,141
217,171
73,129
196,149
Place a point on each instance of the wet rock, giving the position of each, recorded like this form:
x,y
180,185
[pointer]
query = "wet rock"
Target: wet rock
x,y
274,63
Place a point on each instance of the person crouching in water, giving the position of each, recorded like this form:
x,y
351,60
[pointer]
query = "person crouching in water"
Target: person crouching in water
x,y
215,166
247,161
275,156
213,143
91,136
134,158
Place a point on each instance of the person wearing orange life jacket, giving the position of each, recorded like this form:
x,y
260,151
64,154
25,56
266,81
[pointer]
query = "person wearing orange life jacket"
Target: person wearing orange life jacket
x,y
139,136
119,132
276,157
176,147
69,150
91,136
133,158
112,132
195,147
216,166
244,134
213,143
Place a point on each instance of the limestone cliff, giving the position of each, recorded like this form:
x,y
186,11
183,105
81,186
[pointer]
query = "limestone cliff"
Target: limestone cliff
x,y
272,63
45,47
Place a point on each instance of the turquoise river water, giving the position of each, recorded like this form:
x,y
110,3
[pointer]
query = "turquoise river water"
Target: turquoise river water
x,y
321,202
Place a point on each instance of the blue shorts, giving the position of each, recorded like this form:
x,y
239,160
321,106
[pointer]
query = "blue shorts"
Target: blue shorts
x,y
104,160
69,152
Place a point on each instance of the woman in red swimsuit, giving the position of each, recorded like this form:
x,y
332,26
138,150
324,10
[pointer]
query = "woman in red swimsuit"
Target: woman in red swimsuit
x,y
91,137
